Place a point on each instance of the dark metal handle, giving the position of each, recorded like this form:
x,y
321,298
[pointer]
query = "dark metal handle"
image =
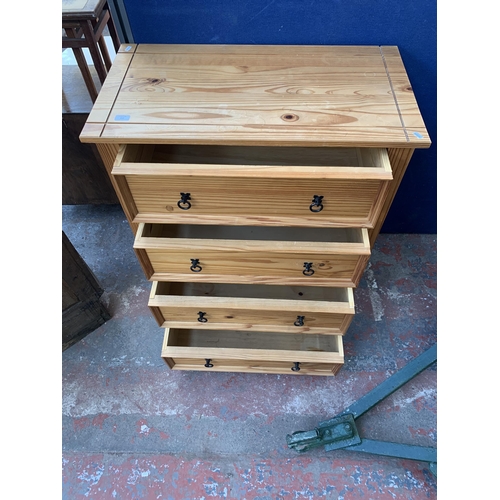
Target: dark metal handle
x,y
208,364
299,321
316,205
307,269
195,265
201,317
184,203
295,367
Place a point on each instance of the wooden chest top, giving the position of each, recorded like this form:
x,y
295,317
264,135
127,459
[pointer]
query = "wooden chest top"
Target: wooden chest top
x,y
257,95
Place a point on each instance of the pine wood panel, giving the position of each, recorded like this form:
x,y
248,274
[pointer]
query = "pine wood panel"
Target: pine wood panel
x,y
263,161
257,308
254,267
245,320
267,352
253,366
285,95
346,203
315,241
338,256
399,158
262,186
108,153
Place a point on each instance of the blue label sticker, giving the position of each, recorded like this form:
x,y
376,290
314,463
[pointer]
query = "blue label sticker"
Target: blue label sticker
x,y
418,135
122,118
128,48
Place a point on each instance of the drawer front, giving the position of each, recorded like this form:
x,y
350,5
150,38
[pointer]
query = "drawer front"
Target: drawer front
x,y
220,254
241,319
253,366
332,187
279,201
254,267
316,310
257,352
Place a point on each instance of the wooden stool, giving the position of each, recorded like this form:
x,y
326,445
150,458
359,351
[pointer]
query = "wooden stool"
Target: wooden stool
x,y
83,22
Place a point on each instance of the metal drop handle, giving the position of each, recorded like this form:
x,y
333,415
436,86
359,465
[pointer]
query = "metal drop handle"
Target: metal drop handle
x,y
307,269
296,367
201,317
316,204
208,364
184,203
299,321
195,265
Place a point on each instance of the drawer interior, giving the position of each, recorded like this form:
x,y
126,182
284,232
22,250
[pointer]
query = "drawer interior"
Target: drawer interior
x,y
256,233
251,340
255,155
252,291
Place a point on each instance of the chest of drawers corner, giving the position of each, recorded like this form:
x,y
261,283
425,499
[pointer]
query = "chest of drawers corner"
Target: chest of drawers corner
x,y
256,180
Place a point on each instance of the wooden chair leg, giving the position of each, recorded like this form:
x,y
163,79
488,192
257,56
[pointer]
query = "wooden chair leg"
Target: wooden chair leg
x,y
104,52
82,64
88,33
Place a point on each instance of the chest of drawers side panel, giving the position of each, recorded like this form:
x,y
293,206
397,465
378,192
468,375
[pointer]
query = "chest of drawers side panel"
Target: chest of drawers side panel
x,y
400,158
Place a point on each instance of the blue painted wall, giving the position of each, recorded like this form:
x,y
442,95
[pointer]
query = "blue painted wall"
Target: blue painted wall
x,y
411,25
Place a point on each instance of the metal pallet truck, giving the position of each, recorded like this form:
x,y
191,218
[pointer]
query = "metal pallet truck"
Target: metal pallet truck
x,y
340,432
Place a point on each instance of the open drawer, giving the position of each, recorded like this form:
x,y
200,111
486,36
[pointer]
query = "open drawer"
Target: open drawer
x,y
256,352
274,308
259,185
253,254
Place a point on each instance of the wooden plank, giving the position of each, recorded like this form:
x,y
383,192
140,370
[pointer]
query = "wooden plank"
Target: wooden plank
x,y
256,297
333,325
262,162
250,304
265,279
284,240
270,346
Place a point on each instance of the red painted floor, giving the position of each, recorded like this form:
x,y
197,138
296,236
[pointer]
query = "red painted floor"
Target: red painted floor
x,y
133,429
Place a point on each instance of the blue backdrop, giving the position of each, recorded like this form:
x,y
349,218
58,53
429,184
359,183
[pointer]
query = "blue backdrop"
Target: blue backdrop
x,y
411,25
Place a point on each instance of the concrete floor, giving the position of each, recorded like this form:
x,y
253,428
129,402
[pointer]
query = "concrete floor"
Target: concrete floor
x,y
133,429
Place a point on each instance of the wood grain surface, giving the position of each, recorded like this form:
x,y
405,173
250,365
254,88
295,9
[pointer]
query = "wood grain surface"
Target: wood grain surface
x,y
262,352
252,307
256,95
253,185
253,254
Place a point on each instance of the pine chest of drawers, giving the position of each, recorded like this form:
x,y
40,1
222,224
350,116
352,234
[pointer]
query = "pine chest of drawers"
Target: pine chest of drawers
x,y
256,180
